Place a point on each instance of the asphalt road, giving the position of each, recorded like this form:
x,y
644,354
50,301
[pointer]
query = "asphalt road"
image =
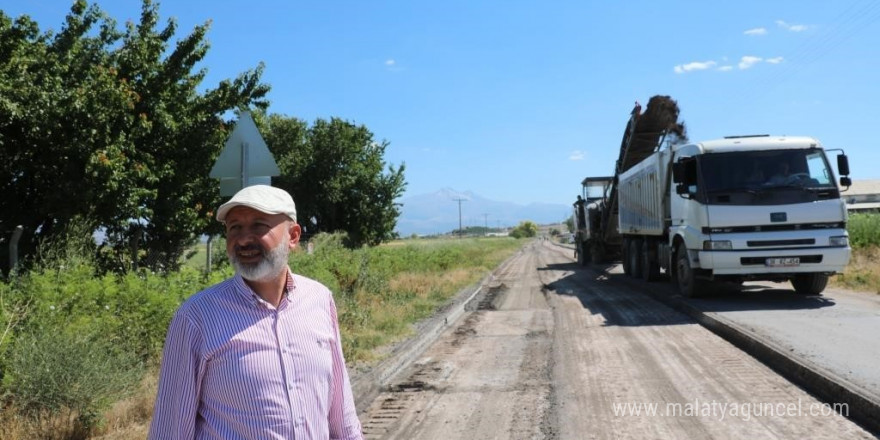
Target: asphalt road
x,y
556,351
838,331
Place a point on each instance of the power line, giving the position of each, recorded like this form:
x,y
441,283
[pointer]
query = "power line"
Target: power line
x,y
853,19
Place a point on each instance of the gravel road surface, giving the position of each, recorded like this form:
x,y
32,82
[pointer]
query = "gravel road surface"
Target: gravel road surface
x,y
555,351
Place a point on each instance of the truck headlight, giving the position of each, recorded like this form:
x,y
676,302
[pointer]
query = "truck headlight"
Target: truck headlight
x,y
717,245
839,240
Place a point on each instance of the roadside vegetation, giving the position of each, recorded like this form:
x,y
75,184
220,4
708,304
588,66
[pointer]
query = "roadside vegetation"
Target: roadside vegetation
x,y
863,272
79,350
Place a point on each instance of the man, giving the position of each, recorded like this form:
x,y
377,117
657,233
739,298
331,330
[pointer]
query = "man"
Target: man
x,y
781,176
257,356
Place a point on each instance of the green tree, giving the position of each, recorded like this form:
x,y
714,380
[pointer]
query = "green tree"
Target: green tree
x,y
110,125
569,223
337,175
525,229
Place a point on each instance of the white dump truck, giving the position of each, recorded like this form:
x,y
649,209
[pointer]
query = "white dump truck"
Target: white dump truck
x,y
735,209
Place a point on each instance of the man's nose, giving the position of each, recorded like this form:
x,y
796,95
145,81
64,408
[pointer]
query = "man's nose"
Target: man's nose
x,y
244,237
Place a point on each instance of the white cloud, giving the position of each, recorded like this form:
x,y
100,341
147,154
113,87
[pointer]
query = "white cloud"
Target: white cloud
x,y
748,61
775,60
756,31
390,62
725,68
696,65
576,155
791,27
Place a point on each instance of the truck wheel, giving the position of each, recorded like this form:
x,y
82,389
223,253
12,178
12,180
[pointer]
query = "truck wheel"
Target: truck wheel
x,y
650,266
809,283
634,257
688,284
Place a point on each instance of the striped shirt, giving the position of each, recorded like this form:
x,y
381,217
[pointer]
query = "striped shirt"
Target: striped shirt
x,y
235,367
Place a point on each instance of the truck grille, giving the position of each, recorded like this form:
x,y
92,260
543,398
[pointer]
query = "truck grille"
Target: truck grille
x,y
760,243
767,228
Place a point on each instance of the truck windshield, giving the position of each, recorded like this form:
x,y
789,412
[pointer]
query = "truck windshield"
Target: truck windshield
x,y
766,177
766,169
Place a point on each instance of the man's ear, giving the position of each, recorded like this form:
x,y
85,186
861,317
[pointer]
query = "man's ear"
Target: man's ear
x,y
295,231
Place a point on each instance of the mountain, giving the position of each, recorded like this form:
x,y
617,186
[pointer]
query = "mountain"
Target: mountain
x,y
437,213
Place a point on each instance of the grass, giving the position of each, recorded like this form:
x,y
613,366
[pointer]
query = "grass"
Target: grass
x,y
381,292
863,272
196,257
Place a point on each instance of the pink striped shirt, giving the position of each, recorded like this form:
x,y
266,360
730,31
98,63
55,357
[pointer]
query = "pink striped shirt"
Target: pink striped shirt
x,y
235,367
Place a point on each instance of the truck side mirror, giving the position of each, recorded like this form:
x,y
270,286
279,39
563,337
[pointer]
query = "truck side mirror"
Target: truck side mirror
x,y
681,189
678,174
845,181
842,165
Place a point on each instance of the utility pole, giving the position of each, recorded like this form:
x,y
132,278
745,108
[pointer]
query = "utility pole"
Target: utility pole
x,y
459,215
486,222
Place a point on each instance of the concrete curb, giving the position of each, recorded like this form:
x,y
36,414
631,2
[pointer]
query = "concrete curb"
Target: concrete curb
x,y
864,408
367,385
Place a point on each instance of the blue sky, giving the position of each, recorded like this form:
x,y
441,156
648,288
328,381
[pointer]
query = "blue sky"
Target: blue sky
x,y
520,100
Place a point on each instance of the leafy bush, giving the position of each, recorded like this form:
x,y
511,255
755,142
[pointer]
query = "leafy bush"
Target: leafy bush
x,y
864,230
62,379
525,229
73,341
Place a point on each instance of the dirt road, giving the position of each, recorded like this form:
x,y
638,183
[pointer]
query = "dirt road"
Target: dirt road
x,y
555,351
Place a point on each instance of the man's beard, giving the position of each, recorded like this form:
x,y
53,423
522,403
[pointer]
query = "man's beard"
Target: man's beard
x,y
269,267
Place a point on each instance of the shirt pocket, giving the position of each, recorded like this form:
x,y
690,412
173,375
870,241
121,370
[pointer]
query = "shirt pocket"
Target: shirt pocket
x,y
313,357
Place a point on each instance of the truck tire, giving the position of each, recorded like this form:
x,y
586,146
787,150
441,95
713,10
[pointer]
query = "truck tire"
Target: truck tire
x,y
809,283
688,284
650,266
634,257
624,260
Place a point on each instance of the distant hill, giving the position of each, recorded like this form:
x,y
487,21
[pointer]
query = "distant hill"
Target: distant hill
x,y
437,213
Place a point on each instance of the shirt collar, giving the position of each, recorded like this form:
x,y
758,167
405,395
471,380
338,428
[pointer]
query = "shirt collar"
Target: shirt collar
x,y
252,298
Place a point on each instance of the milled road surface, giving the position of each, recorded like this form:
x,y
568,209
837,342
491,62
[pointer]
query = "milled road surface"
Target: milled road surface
x,y
838,331
555,351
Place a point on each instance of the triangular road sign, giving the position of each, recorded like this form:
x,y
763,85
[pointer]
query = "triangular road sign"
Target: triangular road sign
x,y
245,159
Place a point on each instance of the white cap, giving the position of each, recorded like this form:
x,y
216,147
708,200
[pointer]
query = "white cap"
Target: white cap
x,y
263,198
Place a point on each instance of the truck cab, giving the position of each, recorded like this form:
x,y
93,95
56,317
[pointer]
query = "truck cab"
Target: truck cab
x,y
756,208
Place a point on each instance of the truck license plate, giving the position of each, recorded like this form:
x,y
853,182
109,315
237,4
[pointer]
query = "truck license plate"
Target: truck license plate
x,y
783,262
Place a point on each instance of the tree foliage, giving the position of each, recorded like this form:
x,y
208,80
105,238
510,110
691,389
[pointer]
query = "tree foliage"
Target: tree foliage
x,y
110,125
569,223
525,229
337,175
